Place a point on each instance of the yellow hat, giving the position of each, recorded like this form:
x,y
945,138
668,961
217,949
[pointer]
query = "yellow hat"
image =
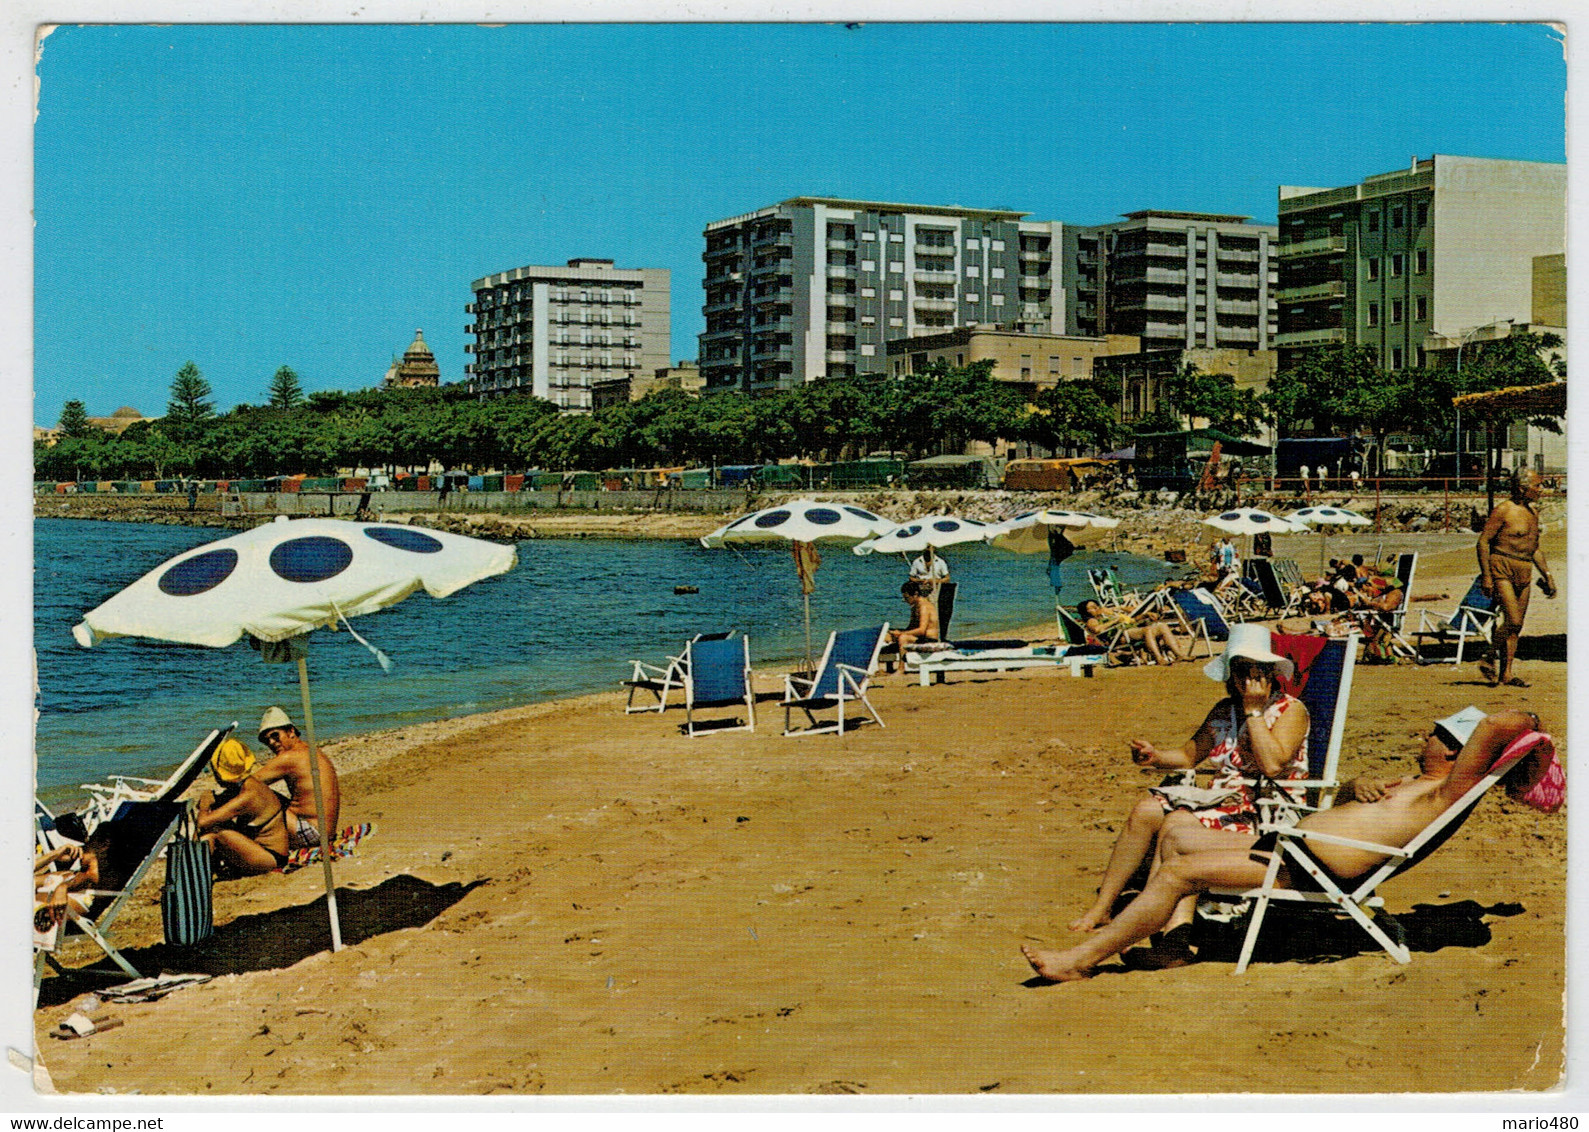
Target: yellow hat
x,y
232,762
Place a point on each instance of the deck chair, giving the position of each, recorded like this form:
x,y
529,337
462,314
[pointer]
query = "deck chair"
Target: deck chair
x,y
660,679
1289,575
1317,887
107,799
717,674
1106,586
1280,600
842,677
1323,682
1204,614
1472,619
132,841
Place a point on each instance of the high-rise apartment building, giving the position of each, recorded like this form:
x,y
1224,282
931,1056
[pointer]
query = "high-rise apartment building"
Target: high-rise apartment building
x,y
1180,280
555,332
1407,260
816,286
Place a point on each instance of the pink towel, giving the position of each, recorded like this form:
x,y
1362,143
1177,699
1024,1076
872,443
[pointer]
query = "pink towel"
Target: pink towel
x,y
1550,790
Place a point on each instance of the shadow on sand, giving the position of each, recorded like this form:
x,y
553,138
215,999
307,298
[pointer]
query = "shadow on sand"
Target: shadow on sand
x,y
268,940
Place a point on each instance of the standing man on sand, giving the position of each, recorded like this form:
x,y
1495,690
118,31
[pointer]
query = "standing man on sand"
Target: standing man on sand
x,y
1508,551
290,760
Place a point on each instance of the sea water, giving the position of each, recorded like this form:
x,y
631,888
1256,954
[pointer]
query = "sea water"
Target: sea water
x,y
566,620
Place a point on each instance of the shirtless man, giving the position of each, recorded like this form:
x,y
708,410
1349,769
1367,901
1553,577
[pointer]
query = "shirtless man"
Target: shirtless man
x,y
1403,810
246,823
1508,551
290,761
923,615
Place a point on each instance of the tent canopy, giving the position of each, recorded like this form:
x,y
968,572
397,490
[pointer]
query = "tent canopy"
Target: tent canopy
x,y
1546,400
1202,440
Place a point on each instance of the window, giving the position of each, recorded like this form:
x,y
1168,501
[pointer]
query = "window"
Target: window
x,y
896,322
1053,363
1395,311
960,359
868,265
1373,267
1373,222
868,292
972,244
1395,357
897,237
1420,308
868,351
1397,216
997,245
1423,358
1373,314
998,273
868,235
896,266
1397,262
972,296
1420,262
1422,214
973,273
998,300
868,320
896,296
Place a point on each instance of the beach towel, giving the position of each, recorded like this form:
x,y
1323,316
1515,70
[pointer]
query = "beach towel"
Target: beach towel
x,y
342,846
1301,651
1548,794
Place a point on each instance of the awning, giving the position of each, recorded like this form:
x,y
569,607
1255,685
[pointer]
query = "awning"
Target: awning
x,y
1545,400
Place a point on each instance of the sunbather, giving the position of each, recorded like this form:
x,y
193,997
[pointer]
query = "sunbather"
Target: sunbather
x,y
1405,809
1160,641
59,878
289,761
246,823
923,615
1255,729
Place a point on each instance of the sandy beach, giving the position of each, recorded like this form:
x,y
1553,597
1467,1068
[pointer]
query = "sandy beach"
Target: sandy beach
x,y
562,899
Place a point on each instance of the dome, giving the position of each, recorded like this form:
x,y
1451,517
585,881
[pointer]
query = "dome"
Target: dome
x,y
418,351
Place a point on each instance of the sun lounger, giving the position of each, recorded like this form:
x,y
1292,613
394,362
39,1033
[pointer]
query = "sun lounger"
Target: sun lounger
x,y
717,674
106,800
933,665
1318,888
660,679
842,677
1472,619
1204,614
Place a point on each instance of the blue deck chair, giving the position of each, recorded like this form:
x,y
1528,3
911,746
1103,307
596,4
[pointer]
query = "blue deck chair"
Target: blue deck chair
x,y
1204,614
1280,601
717,674
1324,685
842,677
1472,619
660,679
107,799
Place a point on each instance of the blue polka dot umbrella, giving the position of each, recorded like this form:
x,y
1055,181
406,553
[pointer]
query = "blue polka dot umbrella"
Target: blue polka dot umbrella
x,y
281,580
1252,521
1323,516
802,523
931,531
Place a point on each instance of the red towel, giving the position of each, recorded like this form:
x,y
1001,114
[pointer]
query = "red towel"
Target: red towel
x,y
1301,651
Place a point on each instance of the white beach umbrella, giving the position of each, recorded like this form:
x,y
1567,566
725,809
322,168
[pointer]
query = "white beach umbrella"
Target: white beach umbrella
x,y
802,523
1252,521
932,531
284,579
1027,533
1322,517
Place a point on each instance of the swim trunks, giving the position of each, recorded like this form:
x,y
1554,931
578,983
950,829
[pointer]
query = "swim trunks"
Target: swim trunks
x,y
1515,571
302,833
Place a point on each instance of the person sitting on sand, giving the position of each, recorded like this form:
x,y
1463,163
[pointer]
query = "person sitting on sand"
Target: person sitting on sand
x,y
59,880
1403,810
1256,728
1162,644
923,615
246,823
289,761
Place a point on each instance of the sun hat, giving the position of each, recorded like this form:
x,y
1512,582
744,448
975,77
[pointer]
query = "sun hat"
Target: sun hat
x,y
1252,642
1460,725
231,762
273,718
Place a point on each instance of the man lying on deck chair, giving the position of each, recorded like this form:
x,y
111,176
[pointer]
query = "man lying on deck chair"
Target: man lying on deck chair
x,y
1402,812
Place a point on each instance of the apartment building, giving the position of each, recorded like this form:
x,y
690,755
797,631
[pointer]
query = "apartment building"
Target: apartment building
x,y
554,332
1405,261
1178,280
818,286
1030,362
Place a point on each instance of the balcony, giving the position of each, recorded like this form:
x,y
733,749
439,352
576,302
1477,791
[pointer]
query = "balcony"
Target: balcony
x,y
1042,283
841,271
934,304
844,299
839,245
1237,282
1165,275
1236,255
771,353
1236,306
1164,330
933,276
1322,336
765,239
1334,289
841,326
940,251
783,324
1236,334
838,355
721,305
1324,245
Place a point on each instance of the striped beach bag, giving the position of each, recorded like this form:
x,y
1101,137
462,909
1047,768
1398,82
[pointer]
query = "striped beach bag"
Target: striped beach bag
x,y
186,901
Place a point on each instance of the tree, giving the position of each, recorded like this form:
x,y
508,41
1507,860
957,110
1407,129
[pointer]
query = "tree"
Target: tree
x,y
190,405
74,420
1070,415
285,390
1213,397
1338,388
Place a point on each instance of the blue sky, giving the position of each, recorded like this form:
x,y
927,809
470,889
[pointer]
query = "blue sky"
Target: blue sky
x,y
247,197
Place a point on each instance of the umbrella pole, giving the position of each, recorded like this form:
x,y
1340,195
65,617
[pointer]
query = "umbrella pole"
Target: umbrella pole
x,y
326,835
810,665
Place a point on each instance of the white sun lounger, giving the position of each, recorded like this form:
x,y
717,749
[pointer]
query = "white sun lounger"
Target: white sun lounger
x,y
936,664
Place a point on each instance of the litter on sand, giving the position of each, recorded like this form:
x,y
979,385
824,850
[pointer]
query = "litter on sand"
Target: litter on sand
x,y
147,990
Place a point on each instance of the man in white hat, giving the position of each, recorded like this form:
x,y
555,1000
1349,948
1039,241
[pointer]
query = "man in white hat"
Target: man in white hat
x,y
289,761
1404,809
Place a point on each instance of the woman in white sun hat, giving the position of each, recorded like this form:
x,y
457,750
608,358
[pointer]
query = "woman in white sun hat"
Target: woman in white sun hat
x,y
1256,733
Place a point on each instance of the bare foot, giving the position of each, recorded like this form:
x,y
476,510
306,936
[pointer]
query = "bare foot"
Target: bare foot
x,y
1090,920
1053,965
